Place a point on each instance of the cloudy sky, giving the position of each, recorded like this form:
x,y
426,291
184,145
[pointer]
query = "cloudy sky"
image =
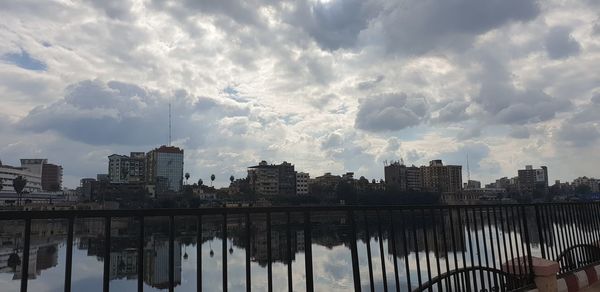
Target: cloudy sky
x,y
339,85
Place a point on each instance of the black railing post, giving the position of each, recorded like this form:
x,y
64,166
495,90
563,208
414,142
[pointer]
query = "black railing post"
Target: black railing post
x,y
539,226
25,264
354,252
248,271
199,254
140,255
171,253
69,259
392,237
224,252
269,255
527,243
106,275
381,253
308,252
288,239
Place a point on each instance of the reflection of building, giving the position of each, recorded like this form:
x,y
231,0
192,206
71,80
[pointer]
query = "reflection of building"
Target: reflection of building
x,y
271,179
156,263
123,264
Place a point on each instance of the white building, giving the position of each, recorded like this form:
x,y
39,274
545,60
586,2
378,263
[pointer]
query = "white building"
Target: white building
x,y
9,173
117,168
302,179
34,165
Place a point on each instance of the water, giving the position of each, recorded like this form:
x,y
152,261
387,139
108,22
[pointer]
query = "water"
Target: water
x,y
428,239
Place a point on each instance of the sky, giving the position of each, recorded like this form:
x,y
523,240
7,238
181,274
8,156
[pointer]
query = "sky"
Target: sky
x,y
330,86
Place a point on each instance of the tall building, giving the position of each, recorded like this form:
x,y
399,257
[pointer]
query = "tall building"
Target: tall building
x,y
438,177
164,168
395,175
52,177
127,169
34,165
271,179
592,183
302,179
414,178
533,181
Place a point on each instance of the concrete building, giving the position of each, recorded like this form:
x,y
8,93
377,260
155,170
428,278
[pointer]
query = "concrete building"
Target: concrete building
x,y
592,183
34,166
472,184
438,177
405,178
533,181
9,173
302,179
127,169
164,168
52,177
271,179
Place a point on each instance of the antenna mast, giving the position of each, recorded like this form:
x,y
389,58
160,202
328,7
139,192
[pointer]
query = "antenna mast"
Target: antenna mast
x,y
169,121
468,170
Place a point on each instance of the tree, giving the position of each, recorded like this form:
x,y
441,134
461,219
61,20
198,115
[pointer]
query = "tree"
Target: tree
x,y
583,189
212,179
19,184
200,182
187,176
231,179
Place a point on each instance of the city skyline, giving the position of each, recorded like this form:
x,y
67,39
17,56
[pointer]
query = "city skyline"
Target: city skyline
x,y
329,85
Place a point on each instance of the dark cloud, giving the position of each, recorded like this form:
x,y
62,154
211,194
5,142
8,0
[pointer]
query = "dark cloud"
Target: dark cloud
x,y
335,24
560,44
419,26
390,112
99,113
506,104
25,61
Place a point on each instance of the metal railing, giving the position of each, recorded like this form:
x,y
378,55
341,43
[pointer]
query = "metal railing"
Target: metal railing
x,y
439,248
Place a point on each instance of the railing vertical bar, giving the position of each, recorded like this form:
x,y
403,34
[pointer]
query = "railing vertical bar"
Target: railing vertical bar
x,y
426,243
288,239
454,248
199,242
436,252
528,241
106,275
584,228
575,226
25,263
572,232
468,225
555,233
248,235
595,212
369,259
416,241
561,232
504,231
381,252
567,231
546,227
308,252
171,253
392,237
479,261
69,259
140,255
540,227
354,252
517,245
485,248
499,245
491,235
224,253
405,250
269,255
445,245
467,284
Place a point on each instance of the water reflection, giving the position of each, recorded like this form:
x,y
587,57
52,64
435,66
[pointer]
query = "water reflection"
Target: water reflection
x,y
430,245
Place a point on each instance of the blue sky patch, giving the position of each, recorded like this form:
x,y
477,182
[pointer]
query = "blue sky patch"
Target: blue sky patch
x,y
25,61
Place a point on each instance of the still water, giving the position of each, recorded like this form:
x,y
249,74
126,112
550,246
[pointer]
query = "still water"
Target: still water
x,y
430,245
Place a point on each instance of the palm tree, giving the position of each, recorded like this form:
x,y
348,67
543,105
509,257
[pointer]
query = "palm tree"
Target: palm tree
x,y
19,184
187,176
231,179
212,179
200,182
